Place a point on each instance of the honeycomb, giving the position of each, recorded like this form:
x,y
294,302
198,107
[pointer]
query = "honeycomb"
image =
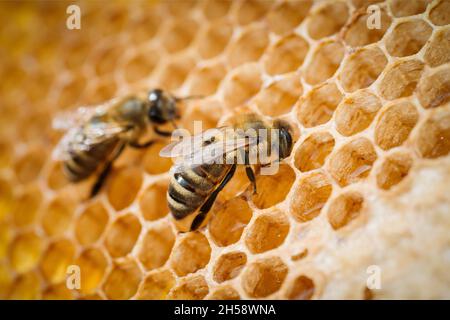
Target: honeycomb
x,y
366,184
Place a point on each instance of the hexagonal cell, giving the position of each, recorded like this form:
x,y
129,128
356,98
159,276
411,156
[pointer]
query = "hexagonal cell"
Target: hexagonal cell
x,y
213,9
325,61
310,196
328,19
236,186
25,252
280,96
93,265
286,55
153,163
241,84
57,292
395,123
357,33
408,38
122,281
228,266
122,235
175,72
302,289
251,10
205,80
393,170
345,208
438,51
228,222
91,223
100,91
106,58
400,80
57,216
433,89
28,166
206,111
56,179
192,253
190,288
313,151
26,206
264,277
214,38
273,189
362,68
286,15
119,197
433,139
248,47
156,285
25,287
153,202
404,8
356,112
156,246
267,232
225,292
439,14
318,105
179,34
140,66
352,162
58,256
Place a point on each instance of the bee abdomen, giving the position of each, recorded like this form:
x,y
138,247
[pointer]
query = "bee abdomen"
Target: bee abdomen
x,y
183,198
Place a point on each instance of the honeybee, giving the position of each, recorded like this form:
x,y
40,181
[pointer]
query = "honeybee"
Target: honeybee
x,y
208,161
96,136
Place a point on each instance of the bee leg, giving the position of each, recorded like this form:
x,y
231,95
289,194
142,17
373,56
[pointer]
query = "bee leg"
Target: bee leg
x,y
249,172
210,201
141,145
163,133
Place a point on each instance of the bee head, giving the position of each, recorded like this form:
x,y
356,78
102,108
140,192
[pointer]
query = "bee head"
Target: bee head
x,y
162,107
285,134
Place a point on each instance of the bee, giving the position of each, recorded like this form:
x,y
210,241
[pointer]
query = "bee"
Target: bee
x,y
208,161
96,136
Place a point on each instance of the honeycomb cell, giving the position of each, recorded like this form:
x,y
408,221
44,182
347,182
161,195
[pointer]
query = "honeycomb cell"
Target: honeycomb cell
x,y
433,140
91,223
153,163
122,281
310,196
228,222
356,112
214,38
264,277
102,90
106,58
225,292
119,197
362,68
327,20
345,208
318,105
26,206
302,289
404,8
357,33
214,9
267,232
408,38
393,170
153,202
25,252
439,14
251,10
229,266
395,123
28,166
26,287
325,61
438,51
57,292
313,151
175,72
190,288
248,47
56,217
286,15
122,235
400,79
286,55
204,81
93,264
192,253
352,162
56,178
242,83
364,3
273,189
156,247
433,89
56,259
280,96
6,198
156,285
179,34
140,66
71,91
